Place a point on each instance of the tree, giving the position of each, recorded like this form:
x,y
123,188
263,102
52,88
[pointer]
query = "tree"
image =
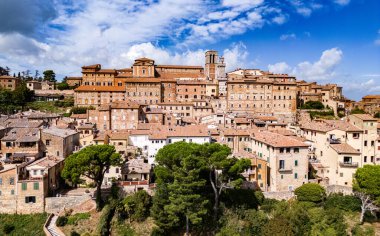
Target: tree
x,y
310,192
223,172
92,162
137,205
377,115
49,75
367,188
180,187
4,70
186,173
22,95
63,86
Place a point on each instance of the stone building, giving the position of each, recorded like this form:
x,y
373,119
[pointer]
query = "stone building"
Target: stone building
x,y
34,85
59,142
116,115
338,148
9,82
287,158
24,187
21,144
74,81
40,180
369,103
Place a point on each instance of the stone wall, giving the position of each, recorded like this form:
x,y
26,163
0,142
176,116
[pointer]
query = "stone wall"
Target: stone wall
x,y
285,195
56,204
338,189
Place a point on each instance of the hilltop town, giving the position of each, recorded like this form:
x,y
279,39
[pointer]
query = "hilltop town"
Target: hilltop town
x,y
293,132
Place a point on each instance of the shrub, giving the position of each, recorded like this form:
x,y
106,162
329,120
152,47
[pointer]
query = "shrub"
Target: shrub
x,y
137,206
343,202
359,230
310,192
74,233
357,111
8,228
105,220
61,221
313,105
268,205
73,220
377,115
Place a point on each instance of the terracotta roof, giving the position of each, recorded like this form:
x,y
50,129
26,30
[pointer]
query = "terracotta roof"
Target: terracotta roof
x,y
277,140
237,132
92,66
365,117
328,125
20,133
144,59
8,77
344,148
90,88
179,66
119,135
377,96
139,80
128,104
147,126
46,162
107,71
189,131
241,121
63,133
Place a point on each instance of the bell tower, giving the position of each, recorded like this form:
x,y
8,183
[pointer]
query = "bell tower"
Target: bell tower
x,y
211,61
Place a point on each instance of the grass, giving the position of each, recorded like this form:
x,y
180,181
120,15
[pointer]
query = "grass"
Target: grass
x,y
74,219
87,223
23,224
45,106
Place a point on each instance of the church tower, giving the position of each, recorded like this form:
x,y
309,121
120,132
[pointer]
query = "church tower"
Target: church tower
x,y
211,59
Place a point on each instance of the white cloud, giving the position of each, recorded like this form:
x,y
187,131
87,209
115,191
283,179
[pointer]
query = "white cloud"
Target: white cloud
x,y
322,69
280,67
161,55
112,32
369,86
288,36
342,2
280,19
235,57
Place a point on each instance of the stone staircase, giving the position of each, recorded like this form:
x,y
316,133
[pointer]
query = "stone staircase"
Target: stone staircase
x,y
52,228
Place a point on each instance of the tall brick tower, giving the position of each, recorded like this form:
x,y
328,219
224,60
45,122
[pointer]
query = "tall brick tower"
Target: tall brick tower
x,y
211,61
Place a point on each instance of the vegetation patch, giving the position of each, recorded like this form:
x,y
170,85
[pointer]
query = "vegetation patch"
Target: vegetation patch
x,y
17,225
45,106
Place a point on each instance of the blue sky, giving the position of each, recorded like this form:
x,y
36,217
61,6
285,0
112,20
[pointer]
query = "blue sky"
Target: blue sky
x,y
316,40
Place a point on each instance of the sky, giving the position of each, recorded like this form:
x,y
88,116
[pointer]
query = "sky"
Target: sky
x,y
328,41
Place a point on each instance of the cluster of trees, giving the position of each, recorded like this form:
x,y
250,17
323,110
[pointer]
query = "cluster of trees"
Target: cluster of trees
x,y
198,190
11,101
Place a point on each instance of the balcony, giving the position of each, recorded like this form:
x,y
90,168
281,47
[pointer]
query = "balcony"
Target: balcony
x,y
348,164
